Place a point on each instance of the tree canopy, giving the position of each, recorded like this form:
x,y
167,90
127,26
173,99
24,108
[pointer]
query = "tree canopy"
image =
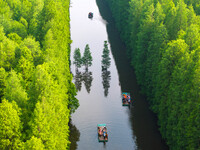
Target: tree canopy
x,y
36,90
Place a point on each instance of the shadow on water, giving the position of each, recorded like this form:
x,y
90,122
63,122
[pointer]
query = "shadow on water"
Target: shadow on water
x,y
74,136
106,77
85,77
143,121
78,80
87,80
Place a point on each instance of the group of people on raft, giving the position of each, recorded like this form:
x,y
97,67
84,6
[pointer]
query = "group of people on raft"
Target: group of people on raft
x,y
126,98
103,132
90,15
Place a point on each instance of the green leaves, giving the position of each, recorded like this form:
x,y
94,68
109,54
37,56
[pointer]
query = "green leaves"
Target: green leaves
x,y
105,56
87,58
34,143
7,53
77,58
14,90
10,126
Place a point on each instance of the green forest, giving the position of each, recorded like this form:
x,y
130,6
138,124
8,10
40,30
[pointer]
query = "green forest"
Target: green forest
x,y
37,95
163,44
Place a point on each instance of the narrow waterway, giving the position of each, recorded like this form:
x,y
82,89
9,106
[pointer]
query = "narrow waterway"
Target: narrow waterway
x,y
99,92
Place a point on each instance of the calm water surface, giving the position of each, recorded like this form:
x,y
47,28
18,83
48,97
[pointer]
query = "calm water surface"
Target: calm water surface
x,y
99,93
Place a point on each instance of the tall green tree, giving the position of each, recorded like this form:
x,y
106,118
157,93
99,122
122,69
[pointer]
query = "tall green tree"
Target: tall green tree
x,y
77,58
7,53
87,57
135,10
10,126
175,50
14,90
144,37
105,62
181,19
25,64
192,37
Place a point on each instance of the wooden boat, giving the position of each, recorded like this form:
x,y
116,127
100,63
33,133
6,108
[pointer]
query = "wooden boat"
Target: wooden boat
x,y
126,99
90,15
102,133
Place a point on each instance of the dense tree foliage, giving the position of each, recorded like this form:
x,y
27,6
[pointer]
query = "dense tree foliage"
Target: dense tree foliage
x,y
36,90
10,126
163,43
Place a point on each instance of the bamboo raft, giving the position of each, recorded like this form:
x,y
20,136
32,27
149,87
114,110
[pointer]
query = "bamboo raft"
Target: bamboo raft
x,y
126,99
101,137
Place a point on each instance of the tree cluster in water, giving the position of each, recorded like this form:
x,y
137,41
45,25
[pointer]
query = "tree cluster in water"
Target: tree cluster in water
x,y
86,61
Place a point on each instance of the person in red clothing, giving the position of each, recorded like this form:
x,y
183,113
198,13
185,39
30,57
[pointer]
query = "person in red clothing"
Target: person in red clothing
x,y
99,131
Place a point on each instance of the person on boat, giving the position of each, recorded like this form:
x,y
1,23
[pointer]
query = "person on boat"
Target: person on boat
x,y
125,96
129,100
90,15
124,100
104,129
104,134
99,131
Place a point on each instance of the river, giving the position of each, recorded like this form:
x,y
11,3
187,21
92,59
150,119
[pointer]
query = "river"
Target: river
x,y
99,92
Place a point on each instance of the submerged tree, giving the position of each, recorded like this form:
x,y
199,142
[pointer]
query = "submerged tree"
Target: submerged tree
x,y
105,57
87,58
77,58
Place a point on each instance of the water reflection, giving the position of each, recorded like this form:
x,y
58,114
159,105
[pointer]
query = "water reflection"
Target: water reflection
x,y
85,77
106,77
78,80
73,136
105,62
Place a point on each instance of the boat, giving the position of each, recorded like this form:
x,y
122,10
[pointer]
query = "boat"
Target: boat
x,y
90,15
126,99
102,133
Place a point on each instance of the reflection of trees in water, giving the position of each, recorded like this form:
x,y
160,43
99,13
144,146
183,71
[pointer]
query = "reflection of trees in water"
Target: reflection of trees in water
x,y
78,80
106,81
73,136
105,64
85,77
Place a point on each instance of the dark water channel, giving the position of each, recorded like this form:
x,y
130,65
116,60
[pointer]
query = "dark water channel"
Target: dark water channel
x,y
99,92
